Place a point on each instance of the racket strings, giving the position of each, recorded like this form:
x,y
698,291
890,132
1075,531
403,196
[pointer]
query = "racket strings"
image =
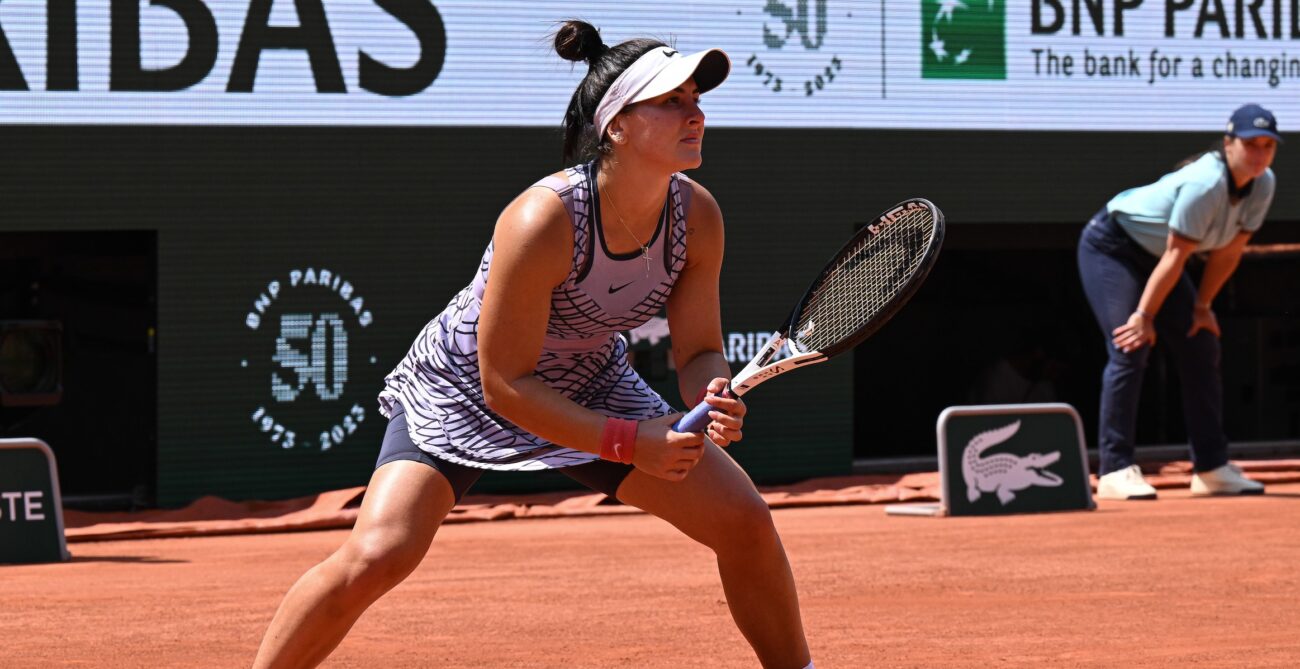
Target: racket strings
x,y
866,279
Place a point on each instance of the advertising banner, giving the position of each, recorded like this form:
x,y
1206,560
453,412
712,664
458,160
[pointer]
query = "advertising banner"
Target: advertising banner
x,y
922,64
31,515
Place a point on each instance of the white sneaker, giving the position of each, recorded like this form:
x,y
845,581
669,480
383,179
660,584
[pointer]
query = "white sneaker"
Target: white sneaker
x,y
1226,480
1126,483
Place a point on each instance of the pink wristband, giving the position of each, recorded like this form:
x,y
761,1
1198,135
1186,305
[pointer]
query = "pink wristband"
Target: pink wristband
x,y
629,436
618,440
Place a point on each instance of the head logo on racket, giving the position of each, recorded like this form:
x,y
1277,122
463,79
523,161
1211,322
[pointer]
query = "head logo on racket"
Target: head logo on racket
x,y
858,291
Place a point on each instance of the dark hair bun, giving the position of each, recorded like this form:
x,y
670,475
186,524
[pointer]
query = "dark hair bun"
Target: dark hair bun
x,y
578,40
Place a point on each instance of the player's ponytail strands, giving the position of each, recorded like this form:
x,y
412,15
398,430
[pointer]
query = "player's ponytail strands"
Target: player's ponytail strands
x,y
579,41
618,440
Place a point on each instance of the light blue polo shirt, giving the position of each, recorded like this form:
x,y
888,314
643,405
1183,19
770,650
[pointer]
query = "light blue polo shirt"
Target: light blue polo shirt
x,y
1194,202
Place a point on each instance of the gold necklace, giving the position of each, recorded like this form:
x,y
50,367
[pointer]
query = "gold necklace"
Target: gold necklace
x,y
645,250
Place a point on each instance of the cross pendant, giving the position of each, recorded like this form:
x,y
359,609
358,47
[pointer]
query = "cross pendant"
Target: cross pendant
x,y
646,252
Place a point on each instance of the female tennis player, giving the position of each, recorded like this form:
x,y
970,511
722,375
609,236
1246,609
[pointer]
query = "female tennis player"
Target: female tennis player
x,y
1132,256
525,369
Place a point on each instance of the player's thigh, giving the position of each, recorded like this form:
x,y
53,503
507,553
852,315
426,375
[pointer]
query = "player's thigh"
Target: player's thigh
x,y
716,504
404,505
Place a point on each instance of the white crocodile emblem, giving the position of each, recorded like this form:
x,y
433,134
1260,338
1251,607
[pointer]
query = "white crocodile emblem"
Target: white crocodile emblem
x,y
1004,473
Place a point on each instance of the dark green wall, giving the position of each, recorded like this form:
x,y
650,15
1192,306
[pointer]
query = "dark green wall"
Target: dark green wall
x,y
404,213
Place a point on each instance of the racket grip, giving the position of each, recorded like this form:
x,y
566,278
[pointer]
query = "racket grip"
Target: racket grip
x,y
698,418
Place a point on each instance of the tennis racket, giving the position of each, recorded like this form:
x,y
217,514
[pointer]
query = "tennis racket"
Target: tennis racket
x,y
858,291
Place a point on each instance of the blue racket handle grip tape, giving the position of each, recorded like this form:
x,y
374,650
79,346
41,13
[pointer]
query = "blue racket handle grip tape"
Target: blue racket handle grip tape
x,y
698,418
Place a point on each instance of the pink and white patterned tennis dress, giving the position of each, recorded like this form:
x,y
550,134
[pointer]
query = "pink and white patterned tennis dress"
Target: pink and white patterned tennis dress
x,y
584,355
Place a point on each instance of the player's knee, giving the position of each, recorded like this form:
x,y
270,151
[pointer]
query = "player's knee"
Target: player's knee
x,y
379,561
746,526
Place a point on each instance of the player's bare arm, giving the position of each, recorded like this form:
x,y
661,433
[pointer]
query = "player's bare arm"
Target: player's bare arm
x,y
695,319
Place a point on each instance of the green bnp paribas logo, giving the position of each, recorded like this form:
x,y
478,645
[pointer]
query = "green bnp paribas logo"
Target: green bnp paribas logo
x,y
963,39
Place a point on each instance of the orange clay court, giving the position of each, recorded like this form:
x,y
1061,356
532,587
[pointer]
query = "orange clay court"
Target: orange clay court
x,y
1180,582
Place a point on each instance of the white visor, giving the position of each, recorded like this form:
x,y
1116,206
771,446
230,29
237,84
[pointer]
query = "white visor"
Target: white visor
x,y
656,72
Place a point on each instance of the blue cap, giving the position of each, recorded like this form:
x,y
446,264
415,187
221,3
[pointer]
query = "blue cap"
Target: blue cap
x,y
1252,120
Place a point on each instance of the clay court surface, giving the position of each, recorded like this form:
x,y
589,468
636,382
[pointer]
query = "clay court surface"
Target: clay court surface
x,y
1180,582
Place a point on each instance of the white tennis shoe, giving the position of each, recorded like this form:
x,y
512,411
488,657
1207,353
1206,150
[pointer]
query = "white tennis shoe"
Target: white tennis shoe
x,y
1226,480
1126,483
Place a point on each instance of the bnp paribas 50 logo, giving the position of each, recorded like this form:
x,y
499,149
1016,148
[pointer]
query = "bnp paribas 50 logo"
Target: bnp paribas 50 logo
x,y
306,332
963,39
798,45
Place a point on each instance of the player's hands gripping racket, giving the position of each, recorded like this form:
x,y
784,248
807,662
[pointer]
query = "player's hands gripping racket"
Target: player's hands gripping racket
x,y
857,292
